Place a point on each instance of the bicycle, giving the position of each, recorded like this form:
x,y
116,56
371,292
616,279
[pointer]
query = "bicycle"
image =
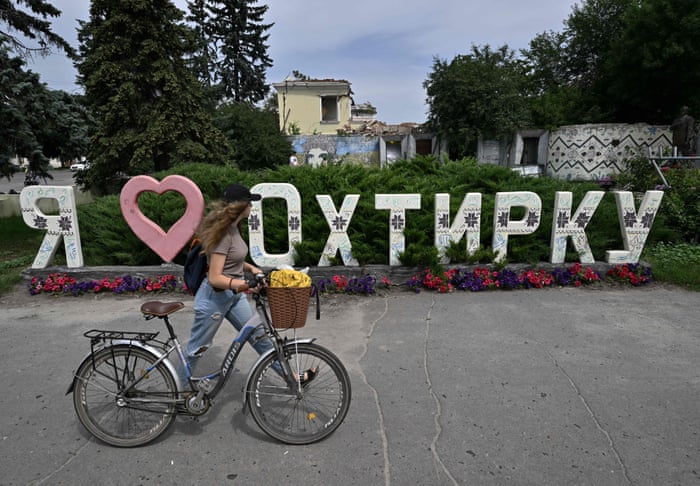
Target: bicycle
x,y
126,392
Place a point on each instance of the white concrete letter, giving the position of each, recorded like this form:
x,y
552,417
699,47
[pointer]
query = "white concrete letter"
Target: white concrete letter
x,y
338,222
565,225
255,224
65,225
635,226
468,220
503,226
397,204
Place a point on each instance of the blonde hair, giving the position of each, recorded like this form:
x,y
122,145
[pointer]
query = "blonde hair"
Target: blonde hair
x,y
217,222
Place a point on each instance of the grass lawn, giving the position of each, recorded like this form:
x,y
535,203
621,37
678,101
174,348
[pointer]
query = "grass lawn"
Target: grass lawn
x,y
18,246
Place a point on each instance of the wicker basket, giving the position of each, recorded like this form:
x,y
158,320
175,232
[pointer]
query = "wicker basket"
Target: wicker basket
x,y
288,306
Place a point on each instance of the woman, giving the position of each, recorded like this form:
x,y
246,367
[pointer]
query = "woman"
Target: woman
x,y
226,251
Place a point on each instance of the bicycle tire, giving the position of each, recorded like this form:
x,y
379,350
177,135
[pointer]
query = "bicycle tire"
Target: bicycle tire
x,y
96,393
310,415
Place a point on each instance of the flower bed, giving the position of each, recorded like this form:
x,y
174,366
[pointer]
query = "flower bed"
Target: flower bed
x,y
63,284
481,279
474,280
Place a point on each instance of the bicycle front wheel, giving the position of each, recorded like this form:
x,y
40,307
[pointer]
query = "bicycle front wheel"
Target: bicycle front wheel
x,y
313,408
124,419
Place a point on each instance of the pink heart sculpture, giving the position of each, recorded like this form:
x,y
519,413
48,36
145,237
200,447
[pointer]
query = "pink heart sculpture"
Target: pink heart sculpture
x,y
166,245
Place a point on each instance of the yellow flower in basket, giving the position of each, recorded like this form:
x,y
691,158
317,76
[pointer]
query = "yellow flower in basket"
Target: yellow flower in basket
x,y
288,296
289,278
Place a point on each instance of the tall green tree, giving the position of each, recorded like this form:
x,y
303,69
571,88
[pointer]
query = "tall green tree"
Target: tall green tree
x,y
567,69
618,61
236,50
36,123
31,22
654,67
149,108
481,94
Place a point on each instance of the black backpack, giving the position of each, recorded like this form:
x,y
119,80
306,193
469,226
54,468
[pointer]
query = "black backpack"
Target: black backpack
x,y
195,267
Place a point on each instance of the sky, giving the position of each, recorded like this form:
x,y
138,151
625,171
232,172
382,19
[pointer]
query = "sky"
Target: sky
x,y
384,48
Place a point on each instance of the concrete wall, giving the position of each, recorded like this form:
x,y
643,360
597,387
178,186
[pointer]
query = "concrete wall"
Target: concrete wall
x,y
9,203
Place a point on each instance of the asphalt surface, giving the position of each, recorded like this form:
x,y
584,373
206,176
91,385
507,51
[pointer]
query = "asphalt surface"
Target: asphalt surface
x,y
61,177
539,387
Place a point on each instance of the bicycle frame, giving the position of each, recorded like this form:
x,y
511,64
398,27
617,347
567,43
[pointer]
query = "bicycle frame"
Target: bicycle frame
x,y
260,317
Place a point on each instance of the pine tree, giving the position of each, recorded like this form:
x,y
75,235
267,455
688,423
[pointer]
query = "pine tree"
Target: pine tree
x,y
32,24
35,122
148,106
237,36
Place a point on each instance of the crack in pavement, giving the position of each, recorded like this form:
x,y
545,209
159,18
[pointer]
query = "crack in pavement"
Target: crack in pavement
x,y
438,408
592,414
68,461
377,402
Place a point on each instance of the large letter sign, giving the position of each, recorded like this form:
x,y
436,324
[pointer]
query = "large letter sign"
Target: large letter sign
x,y
503,226
255,225
65,225
468,221
338,222
565,225
635,227
397,204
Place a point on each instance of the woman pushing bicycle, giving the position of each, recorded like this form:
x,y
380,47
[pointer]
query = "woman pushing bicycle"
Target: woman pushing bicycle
x,y
217,297
129,388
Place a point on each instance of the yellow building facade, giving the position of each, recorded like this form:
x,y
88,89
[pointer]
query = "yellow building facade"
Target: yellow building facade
x,y
314,107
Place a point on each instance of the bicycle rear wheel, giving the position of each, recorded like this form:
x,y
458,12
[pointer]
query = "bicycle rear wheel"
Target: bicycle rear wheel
x,y
309,412
124,420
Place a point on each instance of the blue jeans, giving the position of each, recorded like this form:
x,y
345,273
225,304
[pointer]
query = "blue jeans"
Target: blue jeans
x,y
210,309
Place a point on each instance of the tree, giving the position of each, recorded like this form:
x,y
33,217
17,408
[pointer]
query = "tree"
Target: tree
x,y
149,108
654,67
255,136
567,69
36,123
618,61
33,25
481,94
236,50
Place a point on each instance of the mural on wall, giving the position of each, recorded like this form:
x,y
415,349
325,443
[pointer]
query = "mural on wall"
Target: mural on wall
x,y
593,152
635,225
359,148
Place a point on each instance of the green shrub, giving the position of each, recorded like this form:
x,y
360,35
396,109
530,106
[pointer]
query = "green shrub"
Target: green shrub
x,y
108,240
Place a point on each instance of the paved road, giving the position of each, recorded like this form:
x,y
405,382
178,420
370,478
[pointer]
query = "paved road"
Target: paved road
x,y
61,177
540,387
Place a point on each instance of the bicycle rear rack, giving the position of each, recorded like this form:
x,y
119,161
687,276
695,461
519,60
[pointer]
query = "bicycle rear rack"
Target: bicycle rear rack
x,y
106,338
97,335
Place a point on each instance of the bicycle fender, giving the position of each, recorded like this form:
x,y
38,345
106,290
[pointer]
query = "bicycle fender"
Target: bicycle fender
x,y
259,360
134,344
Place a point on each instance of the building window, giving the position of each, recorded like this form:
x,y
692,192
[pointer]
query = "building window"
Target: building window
x,y
329,109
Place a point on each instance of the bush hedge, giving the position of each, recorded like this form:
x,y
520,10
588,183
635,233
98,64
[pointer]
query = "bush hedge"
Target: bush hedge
x,y
107,240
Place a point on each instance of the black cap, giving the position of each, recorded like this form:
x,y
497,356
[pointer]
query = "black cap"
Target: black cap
x,y
238,192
